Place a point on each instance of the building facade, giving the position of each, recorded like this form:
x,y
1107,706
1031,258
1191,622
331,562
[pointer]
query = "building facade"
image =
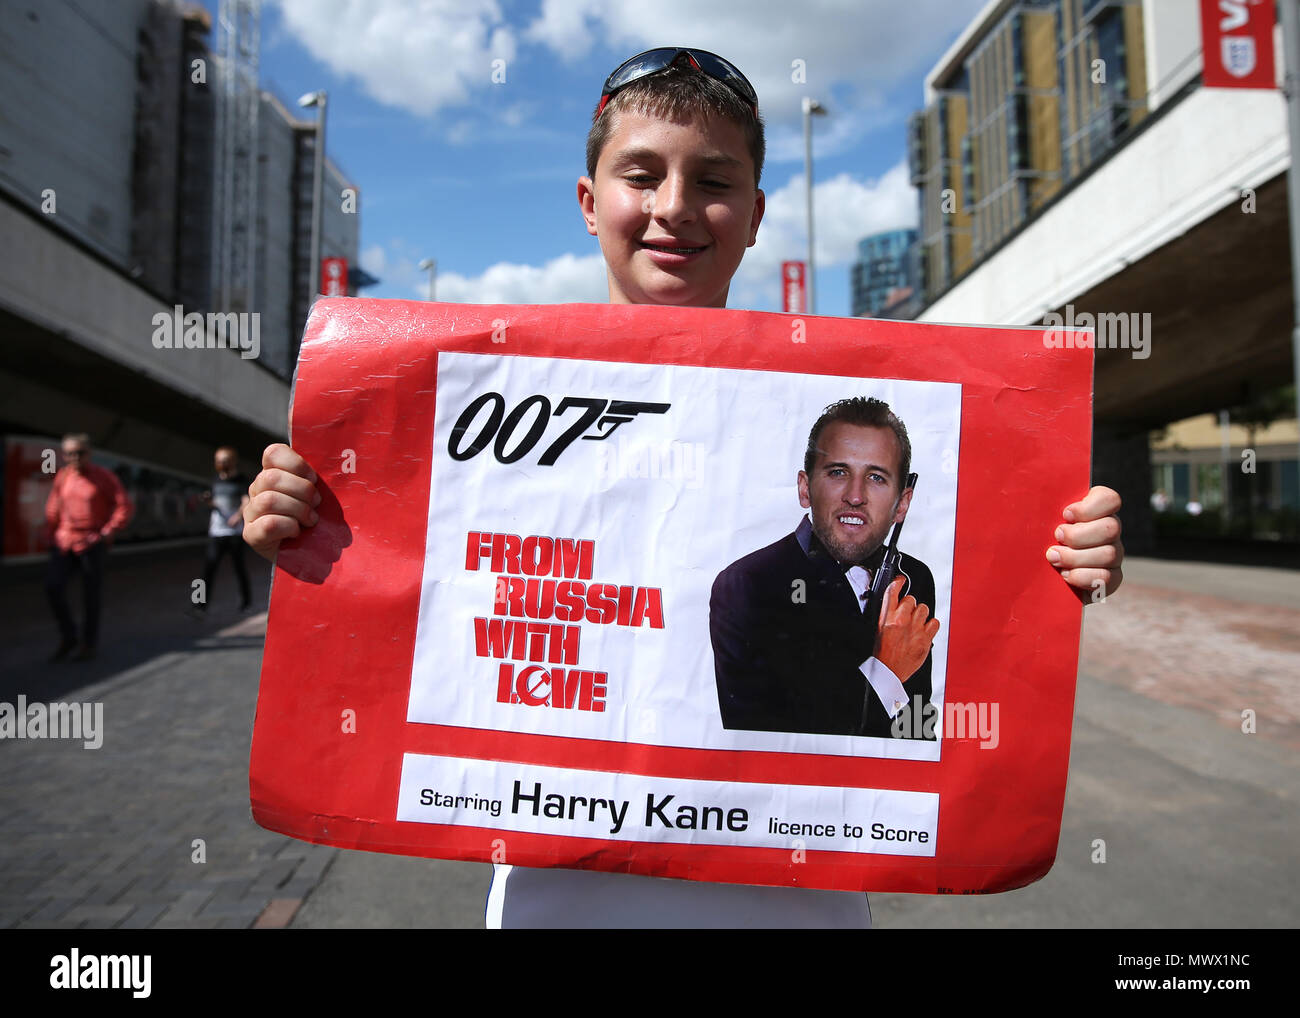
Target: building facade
x,y
884,265
1101,181
1030,96
109,192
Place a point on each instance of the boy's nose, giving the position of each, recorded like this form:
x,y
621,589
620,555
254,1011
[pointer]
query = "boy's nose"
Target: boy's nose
x,y
672,203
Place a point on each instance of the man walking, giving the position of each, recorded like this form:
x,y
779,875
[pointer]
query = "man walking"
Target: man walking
x,y
86,508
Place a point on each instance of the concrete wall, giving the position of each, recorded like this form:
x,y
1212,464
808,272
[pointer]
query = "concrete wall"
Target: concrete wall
x,y
66,291
275,210
68,78
1172,36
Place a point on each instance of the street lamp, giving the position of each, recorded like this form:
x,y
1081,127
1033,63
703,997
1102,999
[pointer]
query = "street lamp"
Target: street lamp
x,y
430,265
317,99
811,107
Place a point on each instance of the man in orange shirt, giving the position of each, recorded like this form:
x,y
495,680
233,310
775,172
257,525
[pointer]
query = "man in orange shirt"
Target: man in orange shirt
x,y
86,507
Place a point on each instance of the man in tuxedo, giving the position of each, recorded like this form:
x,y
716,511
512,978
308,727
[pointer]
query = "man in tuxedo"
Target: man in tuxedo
x,y
793,648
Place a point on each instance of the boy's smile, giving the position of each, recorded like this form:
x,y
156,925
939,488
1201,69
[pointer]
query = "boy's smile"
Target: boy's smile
x,y
674,206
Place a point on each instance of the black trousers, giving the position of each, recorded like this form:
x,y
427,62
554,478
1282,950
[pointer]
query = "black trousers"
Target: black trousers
x,y
90,565
217,548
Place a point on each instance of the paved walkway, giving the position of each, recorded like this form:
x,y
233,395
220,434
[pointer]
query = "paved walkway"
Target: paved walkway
x,y
153,828
1198,818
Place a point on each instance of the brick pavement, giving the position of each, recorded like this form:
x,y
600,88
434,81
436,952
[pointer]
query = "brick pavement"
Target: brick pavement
x,y
1216,655
109,837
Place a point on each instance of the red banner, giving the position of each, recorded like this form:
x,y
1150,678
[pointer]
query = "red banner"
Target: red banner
x,y
794,294
1237,40
566,609
334,277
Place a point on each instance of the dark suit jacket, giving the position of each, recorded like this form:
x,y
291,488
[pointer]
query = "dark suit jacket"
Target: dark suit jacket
x,y
786,664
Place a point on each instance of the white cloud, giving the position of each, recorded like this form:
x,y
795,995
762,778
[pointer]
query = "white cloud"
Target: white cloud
x,y
568,278
424,55
861,45
374,260
418,55
846,210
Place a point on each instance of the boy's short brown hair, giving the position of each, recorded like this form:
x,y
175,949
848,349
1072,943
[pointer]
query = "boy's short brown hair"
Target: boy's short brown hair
x,y
677,93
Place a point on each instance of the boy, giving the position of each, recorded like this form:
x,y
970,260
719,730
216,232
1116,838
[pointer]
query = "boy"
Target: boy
x,y
674,158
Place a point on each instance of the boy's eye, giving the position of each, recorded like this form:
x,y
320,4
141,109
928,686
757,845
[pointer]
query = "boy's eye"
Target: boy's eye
x,y
645,178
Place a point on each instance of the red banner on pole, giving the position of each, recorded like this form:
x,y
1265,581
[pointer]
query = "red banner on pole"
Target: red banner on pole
x,y
1237,40
334,277
568,607
794,292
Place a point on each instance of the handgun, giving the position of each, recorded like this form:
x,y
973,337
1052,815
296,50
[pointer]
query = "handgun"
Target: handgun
x,y
888,568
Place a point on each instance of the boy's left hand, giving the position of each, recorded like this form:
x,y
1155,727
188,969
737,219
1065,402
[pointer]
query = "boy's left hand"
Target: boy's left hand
x,y
1088,546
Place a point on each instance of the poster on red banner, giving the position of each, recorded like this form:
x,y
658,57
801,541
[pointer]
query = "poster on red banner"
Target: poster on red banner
x,y
586,592
1237,42
793,291
334,277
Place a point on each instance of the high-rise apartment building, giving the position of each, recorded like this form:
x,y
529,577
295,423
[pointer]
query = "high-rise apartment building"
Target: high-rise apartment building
x,y
883,267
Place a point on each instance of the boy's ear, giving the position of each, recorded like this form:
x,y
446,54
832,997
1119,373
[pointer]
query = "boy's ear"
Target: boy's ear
x,y
587,201
759,205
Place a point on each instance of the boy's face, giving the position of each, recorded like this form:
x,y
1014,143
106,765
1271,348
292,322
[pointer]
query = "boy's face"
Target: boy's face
x,y
674,206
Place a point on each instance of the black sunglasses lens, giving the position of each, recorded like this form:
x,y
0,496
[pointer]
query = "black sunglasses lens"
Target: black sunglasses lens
x,y
655,60
639,66
716,67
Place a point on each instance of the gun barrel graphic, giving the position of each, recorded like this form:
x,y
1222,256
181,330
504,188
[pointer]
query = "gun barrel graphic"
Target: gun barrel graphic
x,y
620,411
888,567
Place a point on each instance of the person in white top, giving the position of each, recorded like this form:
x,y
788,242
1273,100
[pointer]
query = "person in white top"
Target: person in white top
x,y
227,497
674,157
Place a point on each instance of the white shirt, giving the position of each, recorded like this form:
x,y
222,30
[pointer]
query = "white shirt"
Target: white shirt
x,y
526,898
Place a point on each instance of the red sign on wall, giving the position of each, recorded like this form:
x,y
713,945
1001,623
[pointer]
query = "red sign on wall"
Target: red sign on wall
x,y
1237,39
334,277
794,292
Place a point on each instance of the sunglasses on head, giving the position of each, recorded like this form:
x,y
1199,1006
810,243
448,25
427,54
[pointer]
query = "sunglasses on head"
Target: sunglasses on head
x,y
653,61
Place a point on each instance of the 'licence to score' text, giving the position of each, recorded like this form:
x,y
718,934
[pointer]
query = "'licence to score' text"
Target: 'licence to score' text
x,y
879,832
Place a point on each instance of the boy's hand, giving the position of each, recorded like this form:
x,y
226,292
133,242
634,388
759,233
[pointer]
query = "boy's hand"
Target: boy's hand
x,y
1089,548
282,500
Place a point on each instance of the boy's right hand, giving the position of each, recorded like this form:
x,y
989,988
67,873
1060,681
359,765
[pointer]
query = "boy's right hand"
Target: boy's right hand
x,y
281,500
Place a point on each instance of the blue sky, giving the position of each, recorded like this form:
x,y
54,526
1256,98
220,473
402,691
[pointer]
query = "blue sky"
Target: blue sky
x,y
481,175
